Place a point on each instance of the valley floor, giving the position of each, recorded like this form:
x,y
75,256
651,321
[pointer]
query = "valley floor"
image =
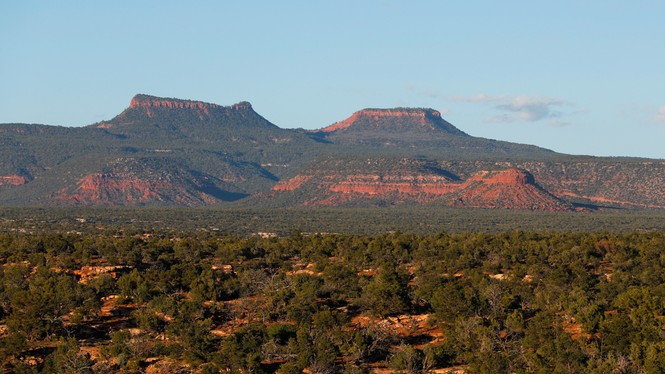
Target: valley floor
x,y
416,219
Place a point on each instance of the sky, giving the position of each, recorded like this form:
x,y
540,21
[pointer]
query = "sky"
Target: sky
x,y
579,77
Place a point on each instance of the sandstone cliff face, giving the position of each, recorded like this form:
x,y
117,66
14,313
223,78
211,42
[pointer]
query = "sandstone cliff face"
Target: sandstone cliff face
x,y
508,189
119,189
424,117
399,119
194,153
127,182
12,180
631,183
145,101
291,184
108,188
533,185
150,106
411,181
373,184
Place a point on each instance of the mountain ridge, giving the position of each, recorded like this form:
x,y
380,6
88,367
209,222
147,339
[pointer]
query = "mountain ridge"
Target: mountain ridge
x,y
167,151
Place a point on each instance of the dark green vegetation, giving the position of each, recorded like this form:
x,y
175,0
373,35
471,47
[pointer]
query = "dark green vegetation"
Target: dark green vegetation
x,y
485,302
167,148
241,221
187,153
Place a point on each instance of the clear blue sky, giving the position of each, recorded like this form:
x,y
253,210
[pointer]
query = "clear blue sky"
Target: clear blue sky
x,y
582,77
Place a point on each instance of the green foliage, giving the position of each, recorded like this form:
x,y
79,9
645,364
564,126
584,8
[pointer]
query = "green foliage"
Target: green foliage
x,y
133,285
387,292
365,221
550,347
411,360
454,299
340,282
303,303
242,350
38,306
12,345
315,350
148,320
507,302
68,359
281,332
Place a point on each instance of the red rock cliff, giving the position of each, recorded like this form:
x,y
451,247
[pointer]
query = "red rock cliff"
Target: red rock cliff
x,y
151,106
12,180
126,189
147,101
421,116
510,189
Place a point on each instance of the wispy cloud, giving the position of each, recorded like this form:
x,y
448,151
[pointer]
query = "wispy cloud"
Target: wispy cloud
x,y
522,108
660,116
533,108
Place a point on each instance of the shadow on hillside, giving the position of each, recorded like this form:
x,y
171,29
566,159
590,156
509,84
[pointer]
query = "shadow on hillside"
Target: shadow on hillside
x,y
223,195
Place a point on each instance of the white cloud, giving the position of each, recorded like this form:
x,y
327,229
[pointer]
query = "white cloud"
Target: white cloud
x,y
522,108
533,108
660,116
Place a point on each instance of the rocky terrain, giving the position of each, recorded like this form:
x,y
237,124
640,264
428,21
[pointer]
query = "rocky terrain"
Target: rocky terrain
x,y
163,151
509,188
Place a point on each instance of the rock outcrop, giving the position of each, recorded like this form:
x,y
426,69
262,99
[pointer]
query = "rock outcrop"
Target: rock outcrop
x,y
147,181
151,106
508,189
398,119
165,151
413,181
291,184
12,180
145,101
